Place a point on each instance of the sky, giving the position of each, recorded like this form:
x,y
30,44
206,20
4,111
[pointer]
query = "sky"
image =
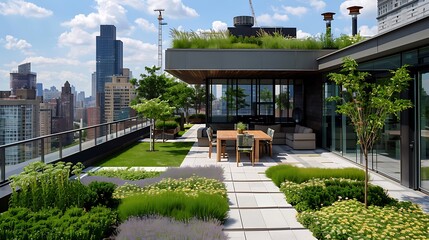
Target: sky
x,y
58,36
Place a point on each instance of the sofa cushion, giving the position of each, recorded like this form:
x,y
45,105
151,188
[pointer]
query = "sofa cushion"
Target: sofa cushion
x,y
297,127
307,130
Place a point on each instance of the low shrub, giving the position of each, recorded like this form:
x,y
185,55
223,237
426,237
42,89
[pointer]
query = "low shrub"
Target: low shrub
x,y
351,220
126,174
317,193
176,205
166,125
154,228
197,116
104,194
190,186
283,172
75,223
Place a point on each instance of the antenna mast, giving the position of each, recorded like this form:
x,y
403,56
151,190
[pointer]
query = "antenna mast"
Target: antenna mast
x,y
160,24
253,12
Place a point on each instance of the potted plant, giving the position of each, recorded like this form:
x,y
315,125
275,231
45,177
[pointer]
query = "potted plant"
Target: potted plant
x,y
240,127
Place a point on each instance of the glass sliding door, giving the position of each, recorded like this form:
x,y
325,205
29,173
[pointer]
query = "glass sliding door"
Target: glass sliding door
x,y
424,130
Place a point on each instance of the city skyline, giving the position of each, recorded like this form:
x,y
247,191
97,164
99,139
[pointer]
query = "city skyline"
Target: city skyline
x,y
58,37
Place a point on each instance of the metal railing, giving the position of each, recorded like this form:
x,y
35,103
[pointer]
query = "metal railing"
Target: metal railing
x,y
49,148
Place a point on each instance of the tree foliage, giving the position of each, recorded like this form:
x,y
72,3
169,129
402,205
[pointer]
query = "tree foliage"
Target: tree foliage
x,y
368,103
155,109
151,85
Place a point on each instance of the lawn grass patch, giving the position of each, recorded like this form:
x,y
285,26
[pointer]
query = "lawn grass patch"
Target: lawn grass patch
x,y
283,172
168,154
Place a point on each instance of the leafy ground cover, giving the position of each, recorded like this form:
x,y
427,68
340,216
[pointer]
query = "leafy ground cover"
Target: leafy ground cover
x,y
168,154
351,220
126,174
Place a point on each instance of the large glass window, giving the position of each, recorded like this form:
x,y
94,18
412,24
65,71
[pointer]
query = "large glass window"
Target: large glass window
x,y
424,130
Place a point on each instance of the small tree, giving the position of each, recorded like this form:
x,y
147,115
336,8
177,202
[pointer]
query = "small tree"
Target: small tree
x,y
151,85
368,104
154,109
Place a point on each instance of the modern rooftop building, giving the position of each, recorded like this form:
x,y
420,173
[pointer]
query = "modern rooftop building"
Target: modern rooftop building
x,y
299,79
109,62
395,13
23,78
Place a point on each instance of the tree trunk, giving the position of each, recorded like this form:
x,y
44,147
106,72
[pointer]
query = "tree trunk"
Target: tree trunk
x,y
366,179
152,142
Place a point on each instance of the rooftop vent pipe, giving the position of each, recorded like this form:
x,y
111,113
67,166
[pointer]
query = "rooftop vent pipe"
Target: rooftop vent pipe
x,y
328,17
354,11
244,21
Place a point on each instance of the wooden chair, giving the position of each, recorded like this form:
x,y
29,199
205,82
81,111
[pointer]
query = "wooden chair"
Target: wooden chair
x,y
268,143
213,142
245,143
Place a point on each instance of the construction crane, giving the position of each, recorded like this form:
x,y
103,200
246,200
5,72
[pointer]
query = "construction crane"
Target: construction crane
x,y
253,12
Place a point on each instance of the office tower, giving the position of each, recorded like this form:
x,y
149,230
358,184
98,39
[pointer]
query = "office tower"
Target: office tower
x,y
109,62
19,120
23,78
119,94
93,85
395,13
66,111
39,89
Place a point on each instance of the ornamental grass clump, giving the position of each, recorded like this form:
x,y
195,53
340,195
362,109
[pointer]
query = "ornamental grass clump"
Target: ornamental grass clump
x,y
189,186
283,172
176,205
42,185
317,193
154,227
351,220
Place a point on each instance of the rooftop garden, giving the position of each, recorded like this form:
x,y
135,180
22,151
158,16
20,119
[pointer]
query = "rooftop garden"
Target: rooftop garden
x,y
224,40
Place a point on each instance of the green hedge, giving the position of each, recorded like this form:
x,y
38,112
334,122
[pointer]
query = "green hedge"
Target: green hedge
x,y
166,125
75,223
126,174
197,115
175,205
283,172
317,193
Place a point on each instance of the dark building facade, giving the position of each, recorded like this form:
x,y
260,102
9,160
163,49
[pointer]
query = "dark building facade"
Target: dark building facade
x,y
297,79
23,79
109,62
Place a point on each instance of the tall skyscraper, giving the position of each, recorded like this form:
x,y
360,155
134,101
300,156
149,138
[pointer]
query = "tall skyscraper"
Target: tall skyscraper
x,y
19,120
39,89
23,78
93,85
109,62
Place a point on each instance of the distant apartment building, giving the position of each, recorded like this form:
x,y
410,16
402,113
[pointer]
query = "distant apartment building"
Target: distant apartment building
x,y
118,95
19,120
109,62
395,13
45,118
23,78
51,93
63,121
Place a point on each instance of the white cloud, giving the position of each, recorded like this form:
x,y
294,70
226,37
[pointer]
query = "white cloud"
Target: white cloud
x,y
76,36
369,9
280,17
78,79
13,43
302,35
108,12
23,8
264,19
367,31
318,4
146,25
219,26
297,11
138,53
174,9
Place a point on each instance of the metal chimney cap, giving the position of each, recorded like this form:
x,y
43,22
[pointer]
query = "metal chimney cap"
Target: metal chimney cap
x,y
328,16
354,10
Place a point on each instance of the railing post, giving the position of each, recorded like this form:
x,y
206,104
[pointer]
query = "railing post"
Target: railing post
x,y
42,150
80,140
61,146
95,136
107,132
116,128
3,164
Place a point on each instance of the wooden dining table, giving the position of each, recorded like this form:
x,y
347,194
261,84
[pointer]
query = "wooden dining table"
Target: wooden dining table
x,y
226,135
